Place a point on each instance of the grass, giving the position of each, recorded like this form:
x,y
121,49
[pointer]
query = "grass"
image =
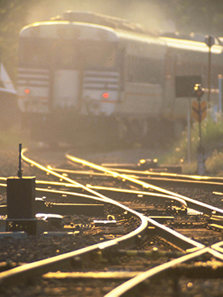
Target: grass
x,y
9,148
212,141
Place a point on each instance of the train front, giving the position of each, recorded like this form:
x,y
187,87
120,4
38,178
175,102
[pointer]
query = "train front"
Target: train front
x,y
68,79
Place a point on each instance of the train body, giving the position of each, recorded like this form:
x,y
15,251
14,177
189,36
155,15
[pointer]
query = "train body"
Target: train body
x,y
92,76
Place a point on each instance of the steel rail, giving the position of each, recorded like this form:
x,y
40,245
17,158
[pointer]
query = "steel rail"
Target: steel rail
x,y
173,236
18,274
116,190
43,266
181,239
15,275
139,193
150,173
158,180
203,207
218,246
43,191
61,177
66,193
161,181
77,172
186,242
166,174
140,229
183,201
106,189
138,279
135,281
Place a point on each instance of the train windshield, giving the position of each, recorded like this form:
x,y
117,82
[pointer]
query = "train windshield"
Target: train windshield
x,y
34,52
98,54
67,54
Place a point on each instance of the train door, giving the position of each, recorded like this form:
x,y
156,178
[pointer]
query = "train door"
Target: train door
x,y
66,88
65,75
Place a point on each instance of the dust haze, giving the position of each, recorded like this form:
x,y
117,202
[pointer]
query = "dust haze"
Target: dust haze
x,y
150,15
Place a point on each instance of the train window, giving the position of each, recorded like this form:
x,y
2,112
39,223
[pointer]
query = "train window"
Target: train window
x,y
34,52
40,52
144,70
65,54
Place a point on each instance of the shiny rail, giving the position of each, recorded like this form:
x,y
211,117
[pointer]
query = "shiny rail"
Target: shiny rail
x,y
191,247
199,206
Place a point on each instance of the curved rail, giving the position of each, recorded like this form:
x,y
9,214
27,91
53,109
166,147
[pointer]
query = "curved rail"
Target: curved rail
x,y
166,174
182,239
132,283
203,207
140,229
40,267
115,190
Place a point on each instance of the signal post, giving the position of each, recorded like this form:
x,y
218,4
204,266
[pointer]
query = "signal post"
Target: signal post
x,y
199,113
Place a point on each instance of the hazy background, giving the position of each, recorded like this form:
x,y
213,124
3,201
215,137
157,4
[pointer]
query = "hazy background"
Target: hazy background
x,y
201,16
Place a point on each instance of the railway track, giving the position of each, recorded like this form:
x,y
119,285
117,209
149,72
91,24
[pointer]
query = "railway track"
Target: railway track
x,y
115,232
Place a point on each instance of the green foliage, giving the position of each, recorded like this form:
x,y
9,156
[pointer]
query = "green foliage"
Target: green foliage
x,y
202,16
214,163
13,15
212,141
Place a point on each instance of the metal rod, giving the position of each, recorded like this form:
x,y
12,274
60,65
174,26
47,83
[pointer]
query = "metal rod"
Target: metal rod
x,y
20,161
189,130
199,102
220,93
209,76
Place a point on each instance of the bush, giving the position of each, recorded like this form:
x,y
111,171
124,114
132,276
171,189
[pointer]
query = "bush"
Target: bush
x,y
212,141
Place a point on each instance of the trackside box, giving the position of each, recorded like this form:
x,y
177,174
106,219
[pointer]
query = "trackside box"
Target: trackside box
x,y
21,197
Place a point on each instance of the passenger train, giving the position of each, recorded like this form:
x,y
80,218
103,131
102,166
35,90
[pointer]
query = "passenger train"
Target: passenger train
x,y
90,76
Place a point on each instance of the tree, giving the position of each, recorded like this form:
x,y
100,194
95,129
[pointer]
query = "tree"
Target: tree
x,y
201,16
13,15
